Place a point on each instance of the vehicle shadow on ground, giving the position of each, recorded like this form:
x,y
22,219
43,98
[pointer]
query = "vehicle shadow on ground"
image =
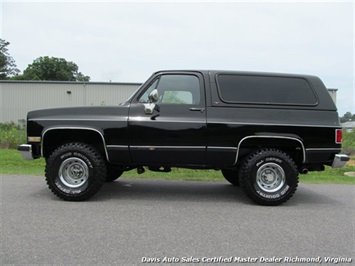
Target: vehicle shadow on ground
x,y
166,190
188,191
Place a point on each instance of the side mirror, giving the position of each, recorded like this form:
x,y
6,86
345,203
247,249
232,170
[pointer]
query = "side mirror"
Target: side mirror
x,y
153,96
151,106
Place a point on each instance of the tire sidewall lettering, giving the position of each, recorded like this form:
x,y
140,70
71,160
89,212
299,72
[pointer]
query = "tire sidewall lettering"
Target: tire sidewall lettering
x,y
76,154
274,159
259,163
276,195
81,156
267,195
66,155
65,189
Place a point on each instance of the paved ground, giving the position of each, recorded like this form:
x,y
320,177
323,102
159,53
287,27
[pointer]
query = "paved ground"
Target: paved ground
x,y
131,221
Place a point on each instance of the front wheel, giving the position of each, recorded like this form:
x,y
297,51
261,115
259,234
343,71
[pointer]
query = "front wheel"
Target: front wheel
x,y
75,171
269,177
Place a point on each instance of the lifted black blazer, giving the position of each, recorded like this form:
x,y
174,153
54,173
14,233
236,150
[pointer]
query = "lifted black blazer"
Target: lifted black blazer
x,y
260,129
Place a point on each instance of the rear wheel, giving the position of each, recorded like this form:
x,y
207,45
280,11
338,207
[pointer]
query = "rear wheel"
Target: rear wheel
x,y
269,177
75,171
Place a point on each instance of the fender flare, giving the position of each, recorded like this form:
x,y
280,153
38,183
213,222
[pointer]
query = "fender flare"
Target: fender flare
x,y
75,128
271,137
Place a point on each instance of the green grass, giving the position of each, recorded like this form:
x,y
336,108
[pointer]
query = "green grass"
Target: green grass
x,y
329,176
11,162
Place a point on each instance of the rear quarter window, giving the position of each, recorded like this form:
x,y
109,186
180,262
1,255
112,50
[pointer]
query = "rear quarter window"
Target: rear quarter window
x,y
265,90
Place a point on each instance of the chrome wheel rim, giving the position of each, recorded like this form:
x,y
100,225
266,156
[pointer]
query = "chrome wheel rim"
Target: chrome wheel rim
x,y
73,172
270,177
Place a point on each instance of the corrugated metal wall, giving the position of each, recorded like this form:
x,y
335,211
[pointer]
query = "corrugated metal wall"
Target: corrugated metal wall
x,y
19,97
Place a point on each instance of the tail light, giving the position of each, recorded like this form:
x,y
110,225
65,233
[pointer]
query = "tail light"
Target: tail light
x,y
338,136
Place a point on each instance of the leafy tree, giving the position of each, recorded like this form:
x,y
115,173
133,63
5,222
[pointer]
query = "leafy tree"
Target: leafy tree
x,y
7,63
52,68
347,117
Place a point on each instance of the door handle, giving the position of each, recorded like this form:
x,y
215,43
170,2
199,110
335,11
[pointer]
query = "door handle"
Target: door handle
x,y
196,109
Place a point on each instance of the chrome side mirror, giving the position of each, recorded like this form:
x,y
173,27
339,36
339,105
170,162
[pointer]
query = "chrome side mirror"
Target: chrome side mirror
x,y
151,106
153,96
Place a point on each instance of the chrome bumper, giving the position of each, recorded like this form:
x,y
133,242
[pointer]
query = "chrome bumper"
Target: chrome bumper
x,y
26,151
340,160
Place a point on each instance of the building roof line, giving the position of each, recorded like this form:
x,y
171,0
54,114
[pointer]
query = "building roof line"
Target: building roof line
x,y
68,82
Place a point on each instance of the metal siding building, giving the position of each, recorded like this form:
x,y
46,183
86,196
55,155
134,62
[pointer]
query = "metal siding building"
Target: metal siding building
x,y
19,97
333,94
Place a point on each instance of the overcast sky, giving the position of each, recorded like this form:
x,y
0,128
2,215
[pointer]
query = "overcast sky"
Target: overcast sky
x,y
127,41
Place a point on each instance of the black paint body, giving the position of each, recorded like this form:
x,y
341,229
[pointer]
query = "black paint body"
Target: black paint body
x,y
211,134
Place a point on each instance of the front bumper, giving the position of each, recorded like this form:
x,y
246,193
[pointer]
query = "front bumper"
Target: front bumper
x,y
26,151
340,160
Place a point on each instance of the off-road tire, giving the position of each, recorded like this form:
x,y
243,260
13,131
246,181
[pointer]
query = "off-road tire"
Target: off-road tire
x,y
269,177
113,173
75,171
232,176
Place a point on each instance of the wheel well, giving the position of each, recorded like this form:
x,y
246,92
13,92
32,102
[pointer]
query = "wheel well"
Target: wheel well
x,y
292,146
54,138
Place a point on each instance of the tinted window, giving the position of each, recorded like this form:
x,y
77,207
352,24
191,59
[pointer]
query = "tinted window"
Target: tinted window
x,y
265,90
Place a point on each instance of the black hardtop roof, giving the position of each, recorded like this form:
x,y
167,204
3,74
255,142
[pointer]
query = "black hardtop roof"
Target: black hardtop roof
x,y
238,72
325,101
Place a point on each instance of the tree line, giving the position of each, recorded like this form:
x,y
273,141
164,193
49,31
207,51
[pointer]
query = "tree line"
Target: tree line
x,y
42,68
347,117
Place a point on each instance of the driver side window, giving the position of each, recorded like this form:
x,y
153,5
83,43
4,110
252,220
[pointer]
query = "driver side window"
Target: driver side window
x,y
175,89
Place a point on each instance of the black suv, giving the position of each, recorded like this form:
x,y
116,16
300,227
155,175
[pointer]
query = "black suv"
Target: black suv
x,y
260,129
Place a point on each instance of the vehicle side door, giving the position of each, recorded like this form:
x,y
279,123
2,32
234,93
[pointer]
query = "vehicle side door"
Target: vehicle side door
x,y
175,133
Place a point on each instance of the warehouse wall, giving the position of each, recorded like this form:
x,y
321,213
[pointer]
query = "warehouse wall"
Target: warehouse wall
x,y
19,97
